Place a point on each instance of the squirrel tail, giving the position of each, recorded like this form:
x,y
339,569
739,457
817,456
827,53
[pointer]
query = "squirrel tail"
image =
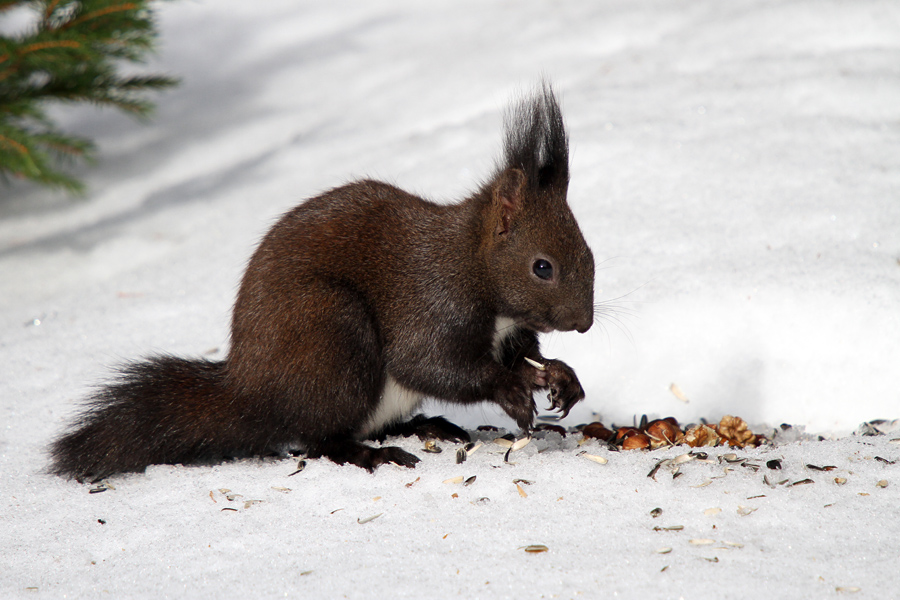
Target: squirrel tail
x,y
164,410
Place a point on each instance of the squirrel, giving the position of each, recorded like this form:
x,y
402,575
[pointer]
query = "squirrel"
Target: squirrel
x,y
357,305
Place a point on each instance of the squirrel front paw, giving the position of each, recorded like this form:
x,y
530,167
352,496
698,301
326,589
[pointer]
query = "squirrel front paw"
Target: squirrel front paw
x,y
565,389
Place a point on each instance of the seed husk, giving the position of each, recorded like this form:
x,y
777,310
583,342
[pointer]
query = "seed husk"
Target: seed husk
x,y
525,481
472,448
432,448
745,510
701,541
682,458
656,512
802,482
470,480
849,589
775,463
461,456
457,479
536,548
882,484
535,364
818,468
712,511
669,528
520,443
884,460
840,480
665,550
521,491
506,441
367,519
597,459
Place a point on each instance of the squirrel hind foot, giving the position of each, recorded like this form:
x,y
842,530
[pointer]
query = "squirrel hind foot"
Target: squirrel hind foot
x,y
348,451
425,428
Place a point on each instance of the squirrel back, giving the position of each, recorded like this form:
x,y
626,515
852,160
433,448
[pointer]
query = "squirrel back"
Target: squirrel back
x,y
357,305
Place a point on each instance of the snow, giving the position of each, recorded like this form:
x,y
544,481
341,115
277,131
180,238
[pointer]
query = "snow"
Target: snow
x,y
735,170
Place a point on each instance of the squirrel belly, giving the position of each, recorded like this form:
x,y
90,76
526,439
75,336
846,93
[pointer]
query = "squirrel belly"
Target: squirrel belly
x,y
358,304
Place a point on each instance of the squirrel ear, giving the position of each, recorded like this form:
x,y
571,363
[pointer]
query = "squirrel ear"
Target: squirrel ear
x,y
508,197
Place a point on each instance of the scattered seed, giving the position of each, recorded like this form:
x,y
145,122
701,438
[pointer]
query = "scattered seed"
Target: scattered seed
x,y
730,458
683,458
535,364
701,541
470,480
597,459
663,570
300,466
482,500
411,483
714,559
506,456
704,484
506,441
802,482
669,528
521,491
652,473
665,550
882,484
101,521
525,481
757,496
712,511
98,489
520,443
367,519
775,463
840,480
232,497
302,573
229,509
432,448
281,489
677,473
746,510
461,456
656,512
211,497
676,391
894,441
535,548
884,460
454,495
699,455
734,544
335,510
863,493
818,468
847,589
457,479
250,503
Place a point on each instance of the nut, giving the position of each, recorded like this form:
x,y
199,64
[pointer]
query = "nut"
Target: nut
x,y
663,433
597,430
701,435
636,441
736,432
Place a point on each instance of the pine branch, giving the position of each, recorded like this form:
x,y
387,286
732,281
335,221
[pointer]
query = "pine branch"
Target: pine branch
x,y
71,55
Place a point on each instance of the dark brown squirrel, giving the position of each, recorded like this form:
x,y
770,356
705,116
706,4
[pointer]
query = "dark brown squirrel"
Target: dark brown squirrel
x,y
357,305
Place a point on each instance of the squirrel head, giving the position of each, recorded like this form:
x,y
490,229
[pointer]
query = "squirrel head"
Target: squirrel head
x,y
540,265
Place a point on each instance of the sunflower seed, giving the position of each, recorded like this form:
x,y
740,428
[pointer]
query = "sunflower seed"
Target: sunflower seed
x,y
535,364
520,443
775,463
882,484
802,482
432,448
701,542
656,512
461,456
458,479
470,480
597,459
665,550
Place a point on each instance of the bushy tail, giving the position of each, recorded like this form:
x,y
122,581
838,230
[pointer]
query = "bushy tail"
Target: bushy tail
x,y
162,410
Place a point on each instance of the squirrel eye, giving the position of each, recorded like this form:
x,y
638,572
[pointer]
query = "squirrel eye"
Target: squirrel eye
x,y
542,268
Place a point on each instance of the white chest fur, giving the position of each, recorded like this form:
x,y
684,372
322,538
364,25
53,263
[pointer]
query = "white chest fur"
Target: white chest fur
x,y
398,402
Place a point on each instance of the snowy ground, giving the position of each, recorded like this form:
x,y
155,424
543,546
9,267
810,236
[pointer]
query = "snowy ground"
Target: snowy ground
x,y
735,169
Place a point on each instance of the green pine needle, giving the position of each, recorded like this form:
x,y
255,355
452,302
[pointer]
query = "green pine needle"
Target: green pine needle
x,y
72,55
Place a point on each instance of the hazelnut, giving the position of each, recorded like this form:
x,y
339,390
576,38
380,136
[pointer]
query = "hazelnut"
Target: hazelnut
x,y
596,430
636,441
